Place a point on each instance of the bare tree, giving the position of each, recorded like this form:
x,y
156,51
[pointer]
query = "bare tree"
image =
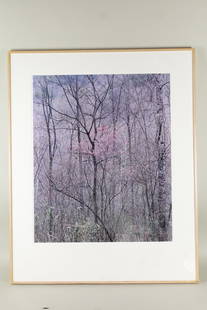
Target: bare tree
x,y
102,158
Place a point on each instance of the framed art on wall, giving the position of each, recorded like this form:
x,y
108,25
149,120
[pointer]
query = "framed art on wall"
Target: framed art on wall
x,y
103,166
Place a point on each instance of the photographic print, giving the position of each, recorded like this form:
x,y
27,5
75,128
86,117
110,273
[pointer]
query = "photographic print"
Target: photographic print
x,y
102,165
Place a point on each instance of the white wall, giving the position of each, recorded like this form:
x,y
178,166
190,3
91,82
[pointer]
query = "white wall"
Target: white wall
x,y
49,24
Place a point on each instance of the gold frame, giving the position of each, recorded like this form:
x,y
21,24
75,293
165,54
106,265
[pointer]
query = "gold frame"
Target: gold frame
x,y
197,280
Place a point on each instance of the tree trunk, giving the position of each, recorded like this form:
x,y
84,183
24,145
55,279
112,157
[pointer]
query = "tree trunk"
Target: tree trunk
x,y
95,189
80,164
131,168
50,201
161,168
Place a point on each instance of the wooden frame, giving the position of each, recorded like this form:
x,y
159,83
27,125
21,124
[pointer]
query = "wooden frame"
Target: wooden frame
x,y
196,280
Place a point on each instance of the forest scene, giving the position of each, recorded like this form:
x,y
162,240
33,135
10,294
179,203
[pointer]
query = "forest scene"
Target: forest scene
x,y
102,158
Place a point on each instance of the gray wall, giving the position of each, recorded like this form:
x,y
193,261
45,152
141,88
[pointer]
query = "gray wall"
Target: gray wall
x,y
49,24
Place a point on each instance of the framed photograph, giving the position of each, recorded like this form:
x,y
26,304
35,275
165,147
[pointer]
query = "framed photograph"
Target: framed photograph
x,y
103,166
